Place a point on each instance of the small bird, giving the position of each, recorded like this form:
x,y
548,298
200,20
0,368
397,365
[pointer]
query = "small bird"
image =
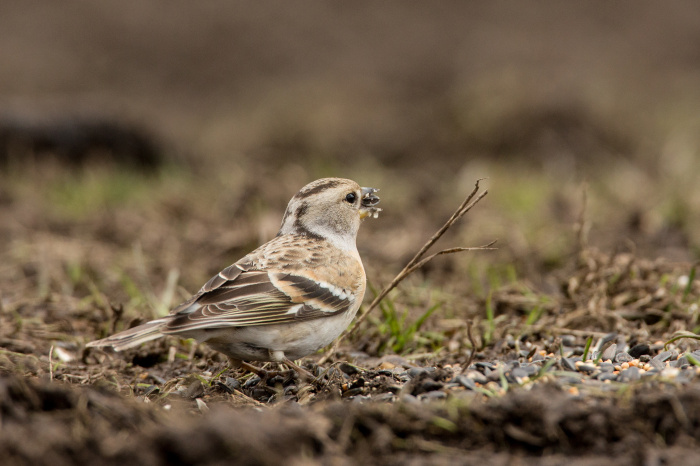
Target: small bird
x,y
288,298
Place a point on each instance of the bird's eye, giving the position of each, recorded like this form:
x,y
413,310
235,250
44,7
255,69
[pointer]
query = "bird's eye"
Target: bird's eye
x,y
351,198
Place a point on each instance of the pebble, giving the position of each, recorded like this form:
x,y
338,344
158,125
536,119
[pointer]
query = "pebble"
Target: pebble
x,y
657,364
568,364
640,349
351,370
530,369
663,356
606,339
231,384
428,385
409,399
568,340
465,381
519,373
430,396
583,367
606,367
483,366
610,352
603,376
251,381
623,357
629,375
384,397
416,371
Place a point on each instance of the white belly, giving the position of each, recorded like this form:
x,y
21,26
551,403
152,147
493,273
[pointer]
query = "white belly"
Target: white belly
x,y
295,340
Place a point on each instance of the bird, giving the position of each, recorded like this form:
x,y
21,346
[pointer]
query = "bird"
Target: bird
x,y
289,297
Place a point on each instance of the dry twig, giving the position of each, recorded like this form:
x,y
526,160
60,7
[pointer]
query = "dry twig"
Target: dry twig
x,y
418,261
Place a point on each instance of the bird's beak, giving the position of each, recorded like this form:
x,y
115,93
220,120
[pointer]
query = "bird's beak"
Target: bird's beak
x,y
369,201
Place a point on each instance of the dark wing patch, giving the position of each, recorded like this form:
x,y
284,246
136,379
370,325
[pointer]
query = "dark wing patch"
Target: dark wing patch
x,y
260,298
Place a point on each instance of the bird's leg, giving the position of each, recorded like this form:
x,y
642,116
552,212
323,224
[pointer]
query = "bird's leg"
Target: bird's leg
x,y
305,375
262,373
279,356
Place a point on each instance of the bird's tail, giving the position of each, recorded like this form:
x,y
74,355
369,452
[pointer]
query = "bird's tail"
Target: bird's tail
x,y
134,336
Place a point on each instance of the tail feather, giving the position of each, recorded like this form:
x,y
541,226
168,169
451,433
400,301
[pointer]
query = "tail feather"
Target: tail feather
x,y
133,337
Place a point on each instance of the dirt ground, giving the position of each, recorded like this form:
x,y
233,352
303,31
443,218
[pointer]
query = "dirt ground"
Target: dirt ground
x,y
145,146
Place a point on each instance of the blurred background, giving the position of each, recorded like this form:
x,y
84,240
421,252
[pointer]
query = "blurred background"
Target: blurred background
x,y
146,144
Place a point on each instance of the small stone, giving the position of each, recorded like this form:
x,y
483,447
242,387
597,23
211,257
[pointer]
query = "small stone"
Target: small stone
x,y
251,381
261,394
276,380
477,377
416,371
351,370
537,357
482,366
466,382
657,364
629,375
530,369
194,390
568,364
519,373
682,363
231,384
587,368
623,357
568,340
603,376
428,385
663,356
610,352
430,396
384,397
494,376
670,372
606,367
352,392
639,350
606,339
151,389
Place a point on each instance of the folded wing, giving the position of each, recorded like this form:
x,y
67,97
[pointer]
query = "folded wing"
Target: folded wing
x,y
237,298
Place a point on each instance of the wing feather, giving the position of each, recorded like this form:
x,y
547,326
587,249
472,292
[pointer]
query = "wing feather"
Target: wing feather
x,y
238,298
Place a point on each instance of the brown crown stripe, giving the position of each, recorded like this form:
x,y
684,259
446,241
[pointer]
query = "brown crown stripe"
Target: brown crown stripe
x,y
316,189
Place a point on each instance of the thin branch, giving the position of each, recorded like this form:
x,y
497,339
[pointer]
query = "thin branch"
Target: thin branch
x,y
472,340
417,262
